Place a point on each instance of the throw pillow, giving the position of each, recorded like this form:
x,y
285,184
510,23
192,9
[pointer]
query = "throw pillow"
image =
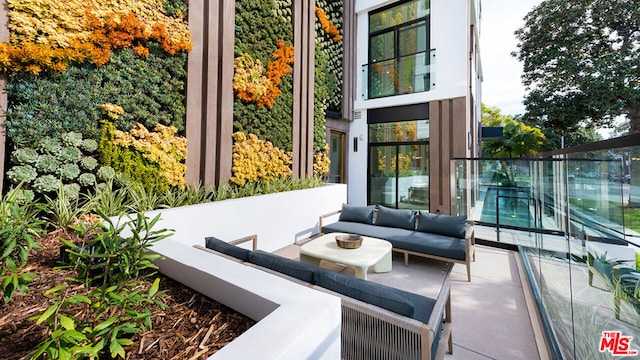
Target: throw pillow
x,y
398,218
448,225
357,213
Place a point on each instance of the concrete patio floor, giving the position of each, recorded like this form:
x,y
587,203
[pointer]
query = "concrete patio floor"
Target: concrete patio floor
x,y
490,314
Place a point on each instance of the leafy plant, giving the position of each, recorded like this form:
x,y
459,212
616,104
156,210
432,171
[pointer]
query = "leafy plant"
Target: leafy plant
x,y
109,264
64,206
19,227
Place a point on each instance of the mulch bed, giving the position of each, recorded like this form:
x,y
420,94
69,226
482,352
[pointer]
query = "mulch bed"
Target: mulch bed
x,y
191,327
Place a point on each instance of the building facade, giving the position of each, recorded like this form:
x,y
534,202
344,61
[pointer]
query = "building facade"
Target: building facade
x,y
415,100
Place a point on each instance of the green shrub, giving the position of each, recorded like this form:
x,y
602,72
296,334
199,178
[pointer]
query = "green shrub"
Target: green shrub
x,y
150,90
130,163
41,106
19,226
114,304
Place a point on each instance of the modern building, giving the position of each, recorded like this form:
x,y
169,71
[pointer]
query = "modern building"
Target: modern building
x,y
416,100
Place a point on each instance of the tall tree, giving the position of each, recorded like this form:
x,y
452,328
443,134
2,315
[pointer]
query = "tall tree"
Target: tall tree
x,y
518,138
581,63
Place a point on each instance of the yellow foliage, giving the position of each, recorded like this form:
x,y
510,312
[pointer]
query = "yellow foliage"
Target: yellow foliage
x,y
321,161
161,146
56,23
258,160
112,111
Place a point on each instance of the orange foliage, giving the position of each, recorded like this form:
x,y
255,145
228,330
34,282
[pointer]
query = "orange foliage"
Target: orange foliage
x,y
279,67
327,25
106,36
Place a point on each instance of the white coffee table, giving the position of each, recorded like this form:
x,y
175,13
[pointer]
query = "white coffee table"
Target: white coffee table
x,y
373,252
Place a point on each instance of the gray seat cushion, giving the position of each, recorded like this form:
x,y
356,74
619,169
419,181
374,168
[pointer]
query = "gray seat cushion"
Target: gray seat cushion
x,y
411,240
296,269
224,247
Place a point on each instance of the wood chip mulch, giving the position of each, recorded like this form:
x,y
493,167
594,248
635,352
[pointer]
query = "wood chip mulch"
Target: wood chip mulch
x,y
191,327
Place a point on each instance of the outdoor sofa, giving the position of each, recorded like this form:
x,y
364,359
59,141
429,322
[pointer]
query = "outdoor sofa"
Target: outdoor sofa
x,y
437,236
378,321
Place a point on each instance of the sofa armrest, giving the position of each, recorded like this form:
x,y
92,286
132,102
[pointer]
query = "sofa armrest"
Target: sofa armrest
x,y
470,241
253,238
324,216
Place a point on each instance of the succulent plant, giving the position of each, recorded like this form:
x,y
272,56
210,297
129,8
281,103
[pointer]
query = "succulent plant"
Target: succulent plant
x,y
24,156
71,191
69,171
69,154
47,164
50,146
71,139
89,163
86,179
22,173
89,145
106,173
46,183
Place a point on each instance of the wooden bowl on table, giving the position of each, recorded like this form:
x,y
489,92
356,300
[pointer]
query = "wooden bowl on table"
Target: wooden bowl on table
x,y
349,241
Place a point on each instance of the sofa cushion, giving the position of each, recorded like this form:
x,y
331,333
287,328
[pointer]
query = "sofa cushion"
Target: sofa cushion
x,y
283,265
448,225
399,218
224,247
372,293
427,243
357,213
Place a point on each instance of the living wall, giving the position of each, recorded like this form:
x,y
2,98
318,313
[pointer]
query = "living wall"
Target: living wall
x,y
263,79
72,65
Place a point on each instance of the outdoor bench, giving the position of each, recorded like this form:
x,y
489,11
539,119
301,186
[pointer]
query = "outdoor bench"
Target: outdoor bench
x,y
436,236
378,321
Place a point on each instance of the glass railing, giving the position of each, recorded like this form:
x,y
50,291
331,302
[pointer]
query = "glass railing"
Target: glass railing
x,y
574,218
404,75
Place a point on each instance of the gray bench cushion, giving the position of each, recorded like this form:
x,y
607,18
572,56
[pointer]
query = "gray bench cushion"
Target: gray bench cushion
x,y
398,301
224,247
296,269
421,242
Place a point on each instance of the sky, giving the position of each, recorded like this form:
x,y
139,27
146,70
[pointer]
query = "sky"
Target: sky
x,y
502,86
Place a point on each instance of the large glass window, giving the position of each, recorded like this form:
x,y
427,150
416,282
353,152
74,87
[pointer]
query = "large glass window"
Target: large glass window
x,y
399,164
399,50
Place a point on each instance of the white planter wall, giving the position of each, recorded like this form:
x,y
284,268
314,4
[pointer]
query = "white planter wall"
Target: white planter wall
x,y
278,219
294,321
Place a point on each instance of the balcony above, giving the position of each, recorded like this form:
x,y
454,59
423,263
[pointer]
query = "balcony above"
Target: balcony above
x,y
404,75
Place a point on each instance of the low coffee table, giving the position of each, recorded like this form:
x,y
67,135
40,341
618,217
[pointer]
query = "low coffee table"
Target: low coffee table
x,y
373,252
